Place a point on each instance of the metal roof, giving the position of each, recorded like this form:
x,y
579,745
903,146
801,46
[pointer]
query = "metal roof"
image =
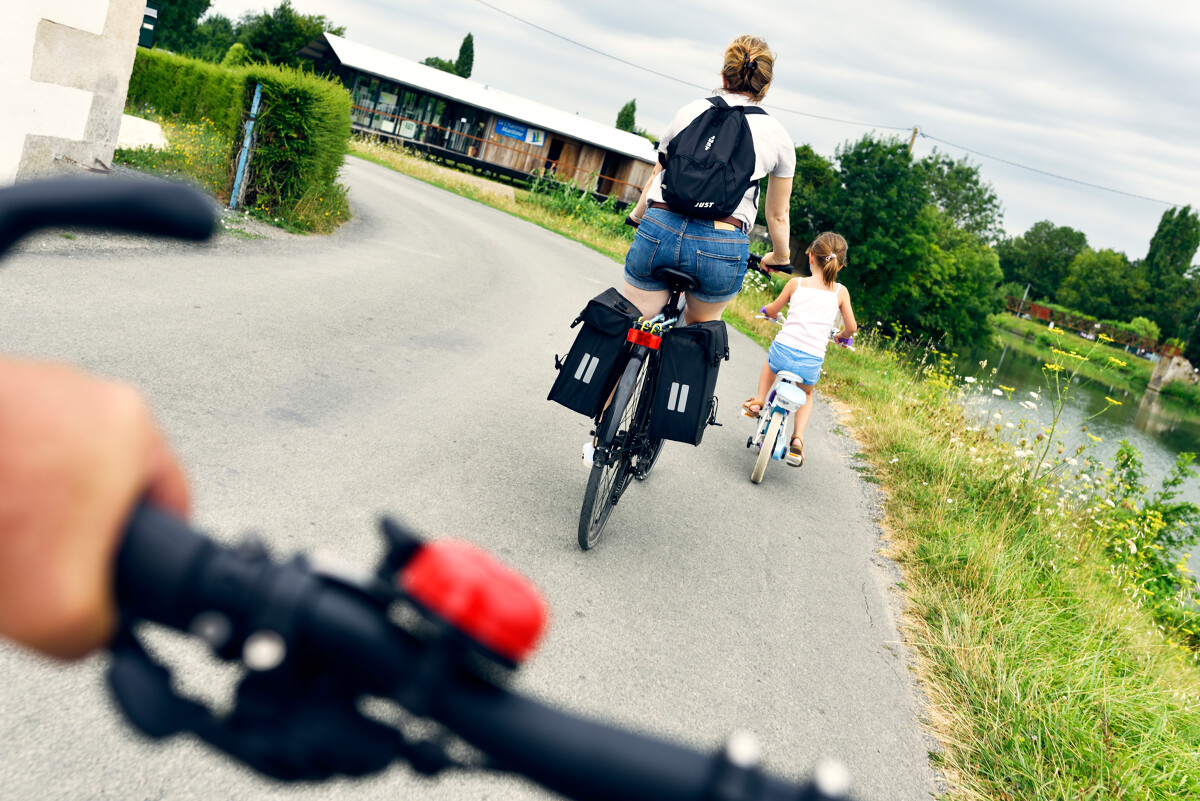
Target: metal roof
x,y
474,93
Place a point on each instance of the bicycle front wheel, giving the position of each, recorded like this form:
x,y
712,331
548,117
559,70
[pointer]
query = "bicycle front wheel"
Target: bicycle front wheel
x,y
618,438
767,447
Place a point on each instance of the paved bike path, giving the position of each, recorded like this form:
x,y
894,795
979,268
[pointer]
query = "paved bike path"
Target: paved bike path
x,y
401,366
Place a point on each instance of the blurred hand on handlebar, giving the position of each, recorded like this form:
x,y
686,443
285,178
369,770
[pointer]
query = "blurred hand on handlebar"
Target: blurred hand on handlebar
x,y
76,454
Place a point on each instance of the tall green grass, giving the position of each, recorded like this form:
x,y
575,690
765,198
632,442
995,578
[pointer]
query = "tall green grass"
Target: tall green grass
x,y
1048,677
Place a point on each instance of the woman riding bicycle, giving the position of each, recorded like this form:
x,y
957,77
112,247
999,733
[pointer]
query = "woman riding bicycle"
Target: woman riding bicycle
x,y
714,252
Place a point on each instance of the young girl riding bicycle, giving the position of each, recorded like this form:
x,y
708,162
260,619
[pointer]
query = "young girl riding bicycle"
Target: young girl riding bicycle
x,y
799,347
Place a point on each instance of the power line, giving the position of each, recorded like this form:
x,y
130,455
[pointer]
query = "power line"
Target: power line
x,y
1047,173
822,117
672,77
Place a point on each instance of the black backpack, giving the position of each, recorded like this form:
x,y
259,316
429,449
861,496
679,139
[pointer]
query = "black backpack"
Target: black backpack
x,y
710,163
684,403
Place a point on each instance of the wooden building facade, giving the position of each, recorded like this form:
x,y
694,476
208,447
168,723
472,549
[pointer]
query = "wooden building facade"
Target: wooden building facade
x,y
472,123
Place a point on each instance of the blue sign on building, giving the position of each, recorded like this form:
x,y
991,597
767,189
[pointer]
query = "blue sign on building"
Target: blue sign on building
x,y
522,133
513,130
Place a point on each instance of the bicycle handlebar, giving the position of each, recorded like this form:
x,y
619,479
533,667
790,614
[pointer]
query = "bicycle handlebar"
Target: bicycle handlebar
x,y
137,206
170,574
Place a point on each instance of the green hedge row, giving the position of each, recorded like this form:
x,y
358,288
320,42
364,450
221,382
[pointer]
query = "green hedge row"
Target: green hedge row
x,y
301,132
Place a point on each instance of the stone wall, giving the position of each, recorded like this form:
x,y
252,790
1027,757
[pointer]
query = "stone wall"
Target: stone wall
x,y
64,73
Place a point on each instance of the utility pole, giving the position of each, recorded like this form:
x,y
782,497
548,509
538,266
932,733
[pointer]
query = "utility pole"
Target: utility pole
x,y
912,141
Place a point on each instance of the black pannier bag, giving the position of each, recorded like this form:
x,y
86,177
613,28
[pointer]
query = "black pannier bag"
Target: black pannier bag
x,y
587,375
684,403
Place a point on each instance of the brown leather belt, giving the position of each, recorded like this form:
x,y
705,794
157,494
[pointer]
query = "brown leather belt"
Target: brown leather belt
x,y
730,220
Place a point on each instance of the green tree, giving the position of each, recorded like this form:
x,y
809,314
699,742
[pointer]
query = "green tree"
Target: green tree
x,y
1040,257
276,37
812,197
1145,328
877,206
236,56
178,25
441,64
465,63
466,57
956,288
1174,291
214,36
1103,284
960,194
625,117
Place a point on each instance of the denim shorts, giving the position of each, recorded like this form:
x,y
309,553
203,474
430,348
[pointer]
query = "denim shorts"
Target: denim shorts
x,y
715,258
805,365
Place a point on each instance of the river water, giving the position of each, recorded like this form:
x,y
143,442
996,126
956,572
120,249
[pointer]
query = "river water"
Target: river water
x,y
1160,429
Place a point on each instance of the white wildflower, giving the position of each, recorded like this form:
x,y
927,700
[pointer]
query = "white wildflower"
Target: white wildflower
x,y
969,379
1035,396
997,393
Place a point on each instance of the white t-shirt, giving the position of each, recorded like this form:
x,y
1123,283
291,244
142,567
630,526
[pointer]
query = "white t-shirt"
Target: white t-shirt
x,y
810,316
774,152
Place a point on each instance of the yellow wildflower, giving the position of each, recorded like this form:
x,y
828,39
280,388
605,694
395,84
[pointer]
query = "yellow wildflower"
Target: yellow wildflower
x,y
1007,389
1113,402
1117,361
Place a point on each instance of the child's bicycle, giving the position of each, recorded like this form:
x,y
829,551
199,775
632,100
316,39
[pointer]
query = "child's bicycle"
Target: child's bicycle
x,y
782,401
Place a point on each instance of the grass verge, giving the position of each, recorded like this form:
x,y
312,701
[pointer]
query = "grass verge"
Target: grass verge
x,y
1046,677
549,213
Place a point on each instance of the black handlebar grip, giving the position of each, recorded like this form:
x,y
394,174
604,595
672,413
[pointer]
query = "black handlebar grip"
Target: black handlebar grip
x,y
156,565
134,205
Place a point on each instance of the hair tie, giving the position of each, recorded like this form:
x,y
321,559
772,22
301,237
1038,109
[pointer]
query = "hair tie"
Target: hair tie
x,y
830,256
748,65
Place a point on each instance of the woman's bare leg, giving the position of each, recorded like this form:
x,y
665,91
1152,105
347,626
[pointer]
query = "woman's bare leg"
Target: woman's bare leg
x,y
649,302
700,311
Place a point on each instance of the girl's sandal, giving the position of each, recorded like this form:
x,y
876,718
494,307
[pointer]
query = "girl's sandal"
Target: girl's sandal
x,y
795,454
751,413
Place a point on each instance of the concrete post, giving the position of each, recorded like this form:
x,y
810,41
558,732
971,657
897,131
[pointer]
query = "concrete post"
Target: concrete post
x,y
64,74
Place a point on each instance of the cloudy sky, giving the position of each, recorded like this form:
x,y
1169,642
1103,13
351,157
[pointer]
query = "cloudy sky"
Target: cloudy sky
x,y
1104,92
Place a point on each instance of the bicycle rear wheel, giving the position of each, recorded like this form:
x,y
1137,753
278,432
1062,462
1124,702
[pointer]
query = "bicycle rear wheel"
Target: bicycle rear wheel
x,y
767,447
647,449
618,433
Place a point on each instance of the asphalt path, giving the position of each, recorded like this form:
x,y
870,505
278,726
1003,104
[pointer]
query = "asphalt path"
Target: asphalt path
x,y
400,366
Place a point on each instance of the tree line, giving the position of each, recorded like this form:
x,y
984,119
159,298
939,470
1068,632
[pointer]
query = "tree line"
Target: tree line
x,y
928,253
266,37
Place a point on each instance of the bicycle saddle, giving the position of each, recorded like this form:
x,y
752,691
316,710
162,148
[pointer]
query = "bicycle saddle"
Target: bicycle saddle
x,y
676,280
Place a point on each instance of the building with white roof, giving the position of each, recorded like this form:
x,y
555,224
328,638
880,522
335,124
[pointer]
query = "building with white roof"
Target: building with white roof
x,y
476,124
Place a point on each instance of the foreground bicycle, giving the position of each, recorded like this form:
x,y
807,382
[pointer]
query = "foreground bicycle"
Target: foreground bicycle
x,y
625,449
439,629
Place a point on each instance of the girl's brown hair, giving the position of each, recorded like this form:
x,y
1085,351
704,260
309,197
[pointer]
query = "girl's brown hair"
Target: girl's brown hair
x,y
749,66
830,251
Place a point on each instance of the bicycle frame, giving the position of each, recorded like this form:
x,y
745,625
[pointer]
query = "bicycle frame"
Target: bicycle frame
x,y
785,396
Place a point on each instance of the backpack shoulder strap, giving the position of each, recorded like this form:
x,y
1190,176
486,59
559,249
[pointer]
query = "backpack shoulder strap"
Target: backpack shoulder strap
x,y
718,101
754,110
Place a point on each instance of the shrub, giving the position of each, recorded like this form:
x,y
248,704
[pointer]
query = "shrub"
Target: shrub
x,y
301,132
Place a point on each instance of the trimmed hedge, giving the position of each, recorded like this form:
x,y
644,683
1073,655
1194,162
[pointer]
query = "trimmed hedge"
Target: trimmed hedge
x,y
301,133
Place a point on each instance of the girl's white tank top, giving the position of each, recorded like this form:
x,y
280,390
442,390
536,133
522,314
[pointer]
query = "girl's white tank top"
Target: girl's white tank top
x,y
810,317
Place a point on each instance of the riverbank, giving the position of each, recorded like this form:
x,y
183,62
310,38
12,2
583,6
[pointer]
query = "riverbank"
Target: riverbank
x,y
1109,363
1047,675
